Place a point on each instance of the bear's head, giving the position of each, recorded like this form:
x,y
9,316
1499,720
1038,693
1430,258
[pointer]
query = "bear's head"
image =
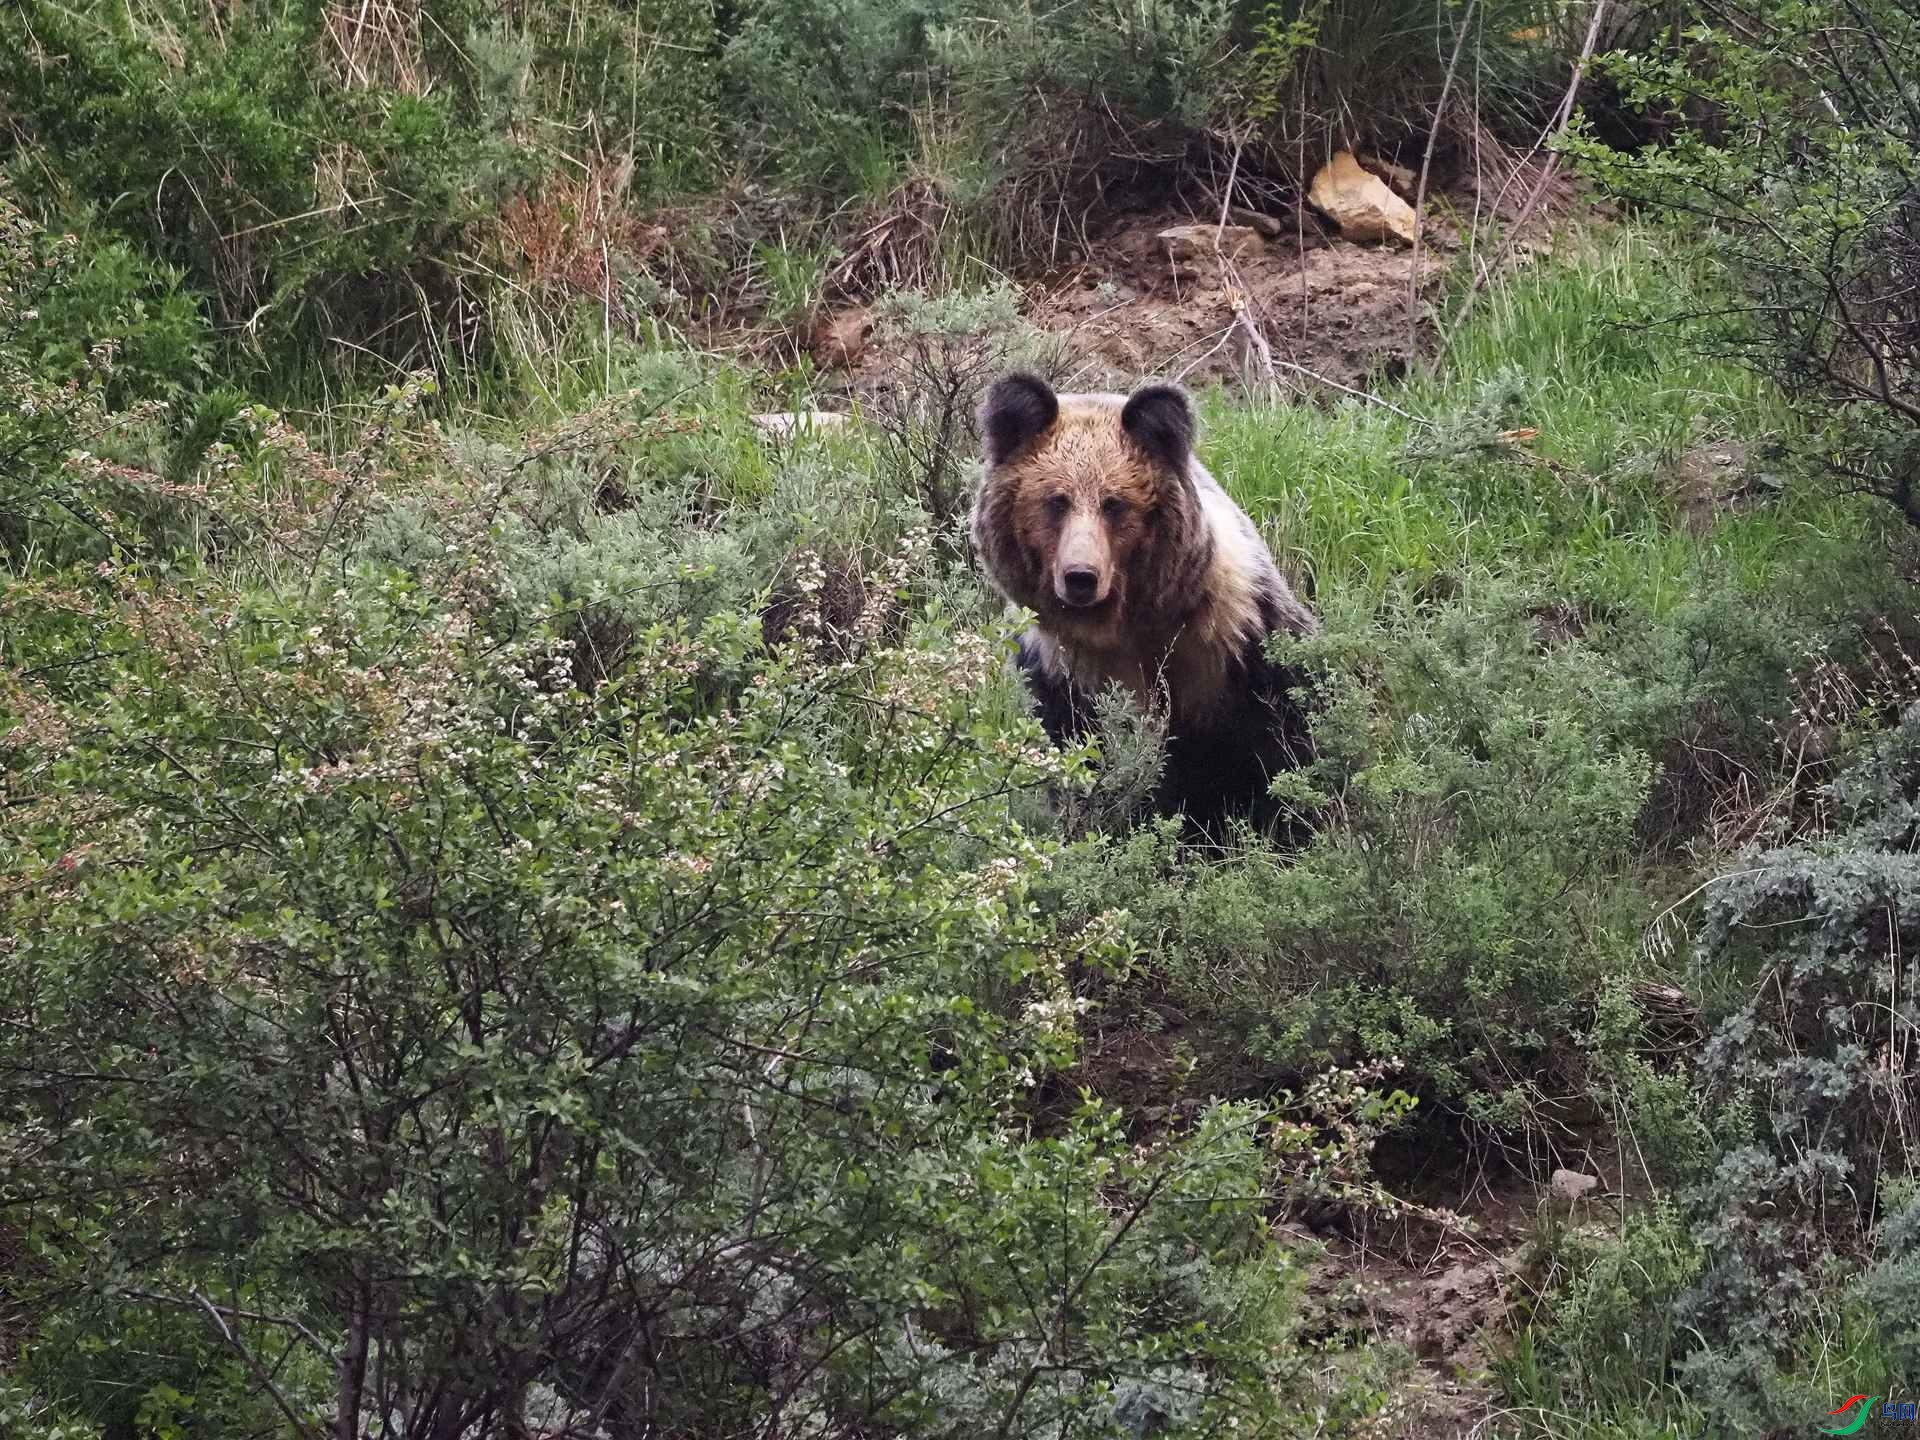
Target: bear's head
x,y
1089,516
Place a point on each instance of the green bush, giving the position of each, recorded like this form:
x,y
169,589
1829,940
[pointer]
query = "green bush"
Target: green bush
x,y
837,82
509,1047
108,295
1794,161
331,181
836,79
59,502
1890,1289
305,199
1476,888
1318,75
1603,1346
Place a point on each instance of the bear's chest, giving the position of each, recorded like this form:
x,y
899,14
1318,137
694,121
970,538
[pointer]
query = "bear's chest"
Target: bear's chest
x,y
1199,686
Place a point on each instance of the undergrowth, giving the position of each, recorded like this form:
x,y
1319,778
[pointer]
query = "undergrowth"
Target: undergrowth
x,y
531,900
1545,441
347,191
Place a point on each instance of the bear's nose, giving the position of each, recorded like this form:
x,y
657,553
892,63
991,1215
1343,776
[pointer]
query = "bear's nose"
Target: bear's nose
x,y
1079,584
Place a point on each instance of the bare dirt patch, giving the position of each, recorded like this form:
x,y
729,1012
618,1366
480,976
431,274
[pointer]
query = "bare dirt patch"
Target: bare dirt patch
x,y
1283,298
1343,311
1447,1296
1447,1278
1299,308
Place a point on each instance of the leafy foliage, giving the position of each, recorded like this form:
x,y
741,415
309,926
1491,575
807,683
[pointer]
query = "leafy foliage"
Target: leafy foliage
x,y
646,1044
1799,157
55,505
1475,890
297,200
834,78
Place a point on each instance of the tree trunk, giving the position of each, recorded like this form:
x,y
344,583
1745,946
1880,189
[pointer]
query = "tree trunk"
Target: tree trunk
x,y
351,1368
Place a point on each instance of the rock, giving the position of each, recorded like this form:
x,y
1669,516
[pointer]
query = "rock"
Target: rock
x,y
1202,242
1269,226
838,341
1572,1185
1404,182
1361,204
1709,481
785,424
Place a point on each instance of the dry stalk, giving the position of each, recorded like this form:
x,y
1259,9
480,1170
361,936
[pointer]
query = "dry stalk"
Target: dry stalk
x,y
1556,125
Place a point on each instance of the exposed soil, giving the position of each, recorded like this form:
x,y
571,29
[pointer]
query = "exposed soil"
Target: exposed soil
x,y
1301,307
1448,1294
1322,306
1340,310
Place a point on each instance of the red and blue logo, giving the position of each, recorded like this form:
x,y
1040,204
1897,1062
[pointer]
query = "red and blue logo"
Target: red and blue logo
x,y
1859,1408
1855,1412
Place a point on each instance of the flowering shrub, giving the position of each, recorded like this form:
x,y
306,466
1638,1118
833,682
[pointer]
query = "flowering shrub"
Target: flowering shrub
x,y
1781,1266
410,1035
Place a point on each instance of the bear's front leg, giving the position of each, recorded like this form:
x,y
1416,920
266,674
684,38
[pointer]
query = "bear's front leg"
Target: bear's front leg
x,y
1065,713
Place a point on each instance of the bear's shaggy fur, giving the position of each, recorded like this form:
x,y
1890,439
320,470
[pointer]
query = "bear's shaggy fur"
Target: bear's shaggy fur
x,y
1140,569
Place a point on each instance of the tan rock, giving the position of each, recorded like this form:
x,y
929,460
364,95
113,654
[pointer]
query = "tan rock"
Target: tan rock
x,y
1202,242
785,424
1572,1185
1361,204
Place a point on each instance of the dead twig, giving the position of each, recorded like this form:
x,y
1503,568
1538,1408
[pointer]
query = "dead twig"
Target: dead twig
x,y
1556,126
1426,167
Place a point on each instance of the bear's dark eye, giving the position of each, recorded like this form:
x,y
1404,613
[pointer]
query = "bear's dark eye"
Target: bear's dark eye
x,y
1057,506
1116,509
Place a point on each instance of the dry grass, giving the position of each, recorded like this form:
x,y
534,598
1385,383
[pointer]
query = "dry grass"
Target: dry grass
x,y
898,248
575,235
376,45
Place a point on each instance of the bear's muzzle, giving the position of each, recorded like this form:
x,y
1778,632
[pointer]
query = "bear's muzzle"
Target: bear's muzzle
x,y
1083,564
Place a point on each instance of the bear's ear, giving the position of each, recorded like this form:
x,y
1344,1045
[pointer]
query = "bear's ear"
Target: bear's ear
x,y
1160,420
1017,408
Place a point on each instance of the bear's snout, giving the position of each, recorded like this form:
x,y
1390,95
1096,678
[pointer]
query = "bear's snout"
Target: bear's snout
x,y
1080,586
1082,568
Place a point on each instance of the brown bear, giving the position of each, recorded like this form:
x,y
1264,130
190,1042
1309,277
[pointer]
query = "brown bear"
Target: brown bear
x,y
1097,516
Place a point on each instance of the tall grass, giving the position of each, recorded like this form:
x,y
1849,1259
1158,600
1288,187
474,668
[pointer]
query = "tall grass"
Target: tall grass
x,y
1439,479
1434,479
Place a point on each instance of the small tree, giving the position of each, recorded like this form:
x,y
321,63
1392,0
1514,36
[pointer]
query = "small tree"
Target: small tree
x,y
401,1040
1799,148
